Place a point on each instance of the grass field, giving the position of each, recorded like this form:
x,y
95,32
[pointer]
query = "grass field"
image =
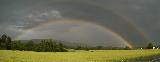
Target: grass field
x,y
77,56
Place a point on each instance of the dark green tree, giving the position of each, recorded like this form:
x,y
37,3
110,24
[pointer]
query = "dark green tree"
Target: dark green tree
x,y
5,42
50,46
14,45
53,46
41,46
61,48
8,43
99,47
150,46
127,48
17,45
4,38
78,48
30,46
2,41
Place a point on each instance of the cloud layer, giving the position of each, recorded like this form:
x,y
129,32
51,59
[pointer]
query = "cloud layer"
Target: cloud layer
x,y
134,20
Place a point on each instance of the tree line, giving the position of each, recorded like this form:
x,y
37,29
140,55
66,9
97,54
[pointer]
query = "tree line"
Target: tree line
x,y
6,43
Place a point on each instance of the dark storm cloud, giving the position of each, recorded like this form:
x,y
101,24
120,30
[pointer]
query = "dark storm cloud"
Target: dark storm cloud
x,y
144,13
19,15
103,16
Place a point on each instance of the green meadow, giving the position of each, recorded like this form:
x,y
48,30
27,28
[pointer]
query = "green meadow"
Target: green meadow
x,y
77,56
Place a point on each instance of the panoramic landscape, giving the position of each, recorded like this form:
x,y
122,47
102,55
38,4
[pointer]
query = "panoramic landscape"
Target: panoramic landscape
x,y
79,31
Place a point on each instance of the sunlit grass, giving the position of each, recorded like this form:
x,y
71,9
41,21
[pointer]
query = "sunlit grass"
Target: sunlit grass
x,y
77,56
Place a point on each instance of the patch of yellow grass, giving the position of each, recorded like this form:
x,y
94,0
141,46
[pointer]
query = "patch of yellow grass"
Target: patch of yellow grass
x,y
78,56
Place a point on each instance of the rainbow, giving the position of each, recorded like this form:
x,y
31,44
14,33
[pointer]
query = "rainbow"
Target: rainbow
x,y
125,18
117,34
68,21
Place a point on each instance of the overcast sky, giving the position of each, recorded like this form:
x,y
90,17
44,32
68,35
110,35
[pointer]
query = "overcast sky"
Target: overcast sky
x,y
102,22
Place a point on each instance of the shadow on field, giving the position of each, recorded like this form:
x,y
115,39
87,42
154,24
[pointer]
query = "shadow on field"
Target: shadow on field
x,y
154,58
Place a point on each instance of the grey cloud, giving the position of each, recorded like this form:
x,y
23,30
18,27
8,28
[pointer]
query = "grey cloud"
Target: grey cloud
x,y
26,14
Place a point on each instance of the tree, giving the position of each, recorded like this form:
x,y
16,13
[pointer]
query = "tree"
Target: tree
x,y
150,46
44,46
8,43
3,38
53,46
99,47
2,41
14,45
30,46
127,48
40,47
17,45
61,47
78,48
50,46
1,44
86,48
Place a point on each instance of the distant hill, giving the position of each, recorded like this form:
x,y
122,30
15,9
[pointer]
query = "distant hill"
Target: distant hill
x,y
66,43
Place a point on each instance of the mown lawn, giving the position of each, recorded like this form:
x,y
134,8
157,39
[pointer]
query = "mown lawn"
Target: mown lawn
x,y
77,56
